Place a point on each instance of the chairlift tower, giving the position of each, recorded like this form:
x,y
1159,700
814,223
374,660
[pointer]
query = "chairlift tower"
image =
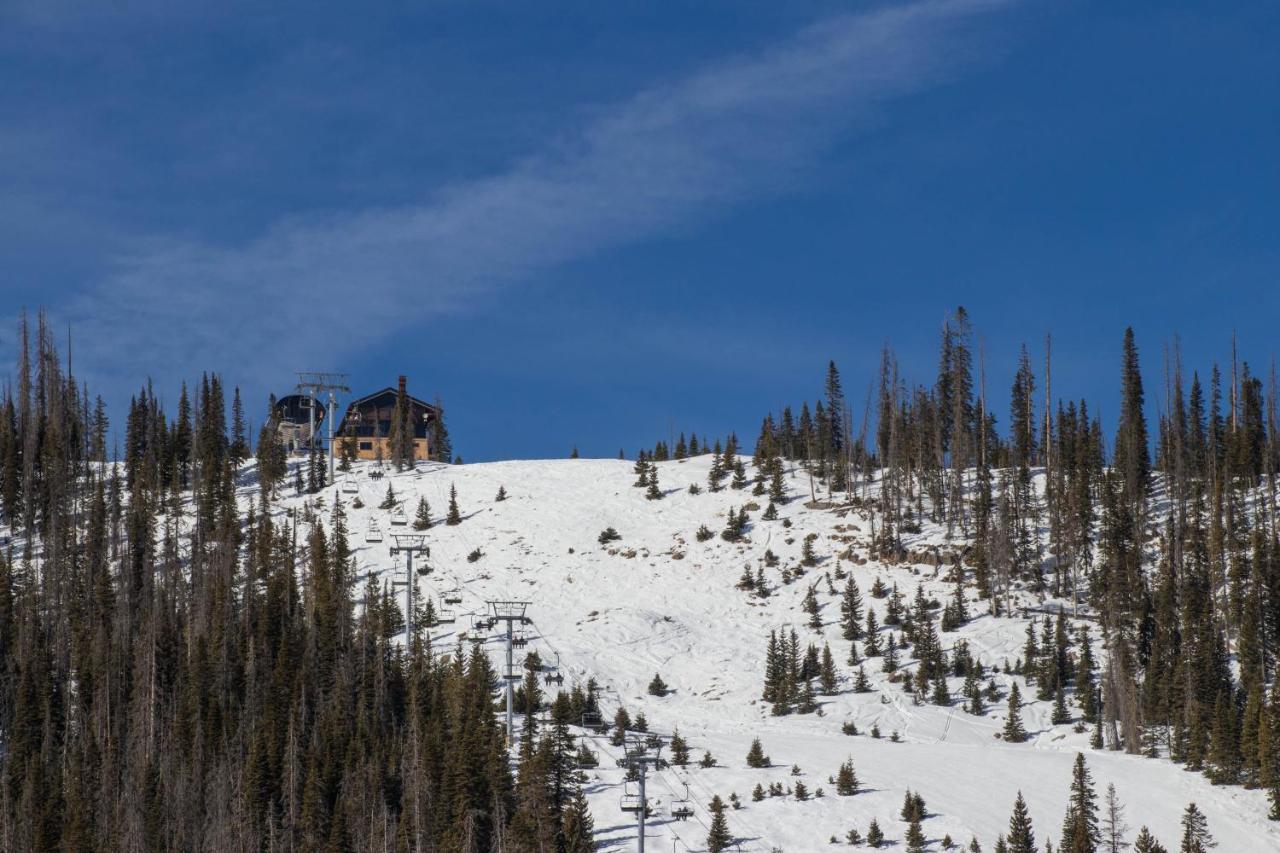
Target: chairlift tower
x,y
408,544
638,755
314,384
510,612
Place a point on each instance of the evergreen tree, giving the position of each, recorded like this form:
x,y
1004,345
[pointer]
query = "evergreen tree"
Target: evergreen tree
x,y
454,517
1014,732
1021,837
1195,832
718,837
579,827
1146,843
1080,832
422,518
914,838
846,779
654,493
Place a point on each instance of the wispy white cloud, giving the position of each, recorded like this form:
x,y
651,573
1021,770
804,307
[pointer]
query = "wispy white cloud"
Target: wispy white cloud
x,y
310,290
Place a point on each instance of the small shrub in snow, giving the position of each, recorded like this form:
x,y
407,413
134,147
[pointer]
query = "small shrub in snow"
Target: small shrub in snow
x,y
608,535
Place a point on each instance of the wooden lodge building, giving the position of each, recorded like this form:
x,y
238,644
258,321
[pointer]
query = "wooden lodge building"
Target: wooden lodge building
x,y
367,427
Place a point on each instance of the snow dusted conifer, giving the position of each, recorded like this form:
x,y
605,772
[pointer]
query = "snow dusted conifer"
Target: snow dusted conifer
x,y
875,836
914,838
454,517
718,837
578,827
653,493
846,779
422,518
1146,843
755,756
1022,838
1080,826
851,611
1195,832
827,677
1014,732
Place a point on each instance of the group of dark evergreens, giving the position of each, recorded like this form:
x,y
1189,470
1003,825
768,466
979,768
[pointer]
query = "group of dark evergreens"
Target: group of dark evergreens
x,y
1167,539
178,671
181,673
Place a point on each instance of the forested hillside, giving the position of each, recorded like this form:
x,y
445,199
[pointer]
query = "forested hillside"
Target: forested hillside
x,y
923,622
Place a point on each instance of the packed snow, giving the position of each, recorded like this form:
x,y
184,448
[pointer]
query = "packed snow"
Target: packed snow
x,y
659,601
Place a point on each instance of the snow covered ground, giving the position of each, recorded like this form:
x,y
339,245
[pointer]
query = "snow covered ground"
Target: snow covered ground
x,y
657,600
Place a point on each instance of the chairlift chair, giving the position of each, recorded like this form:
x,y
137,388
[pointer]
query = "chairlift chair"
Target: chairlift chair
x,y
553,675
398,518
373,533
453,596
593,722
444,615
519,641
630,801
349,486
682,807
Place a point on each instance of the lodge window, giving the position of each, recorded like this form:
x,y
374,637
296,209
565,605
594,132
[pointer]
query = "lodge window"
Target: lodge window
x,y
366,445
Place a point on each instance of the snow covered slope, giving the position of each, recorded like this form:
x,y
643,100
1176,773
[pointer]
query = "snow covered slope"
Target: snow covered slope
x,y
658,600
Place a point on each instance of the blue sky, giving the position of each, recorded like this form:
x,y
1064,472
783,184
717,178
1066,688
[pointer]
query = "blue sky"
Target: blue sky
x,y
580,223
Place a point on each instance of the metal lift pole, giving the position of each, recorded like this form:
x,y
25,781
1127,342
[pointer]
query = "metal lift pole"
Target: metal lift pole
x,y
644,805
333,413
409,544
509,612
636,757
315,383
510,688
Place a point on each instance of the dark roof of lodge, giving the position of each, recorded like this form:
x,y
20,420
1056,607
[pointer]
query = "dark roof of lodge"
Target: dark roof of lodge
x,y
363,428
389,392
296,409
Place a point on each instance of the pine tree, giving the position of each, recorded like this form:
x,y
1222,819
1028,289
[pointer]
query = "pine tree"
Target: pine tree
x,y
679,749
1080,826
718,837
846,779
422,518
875,836
1013,728
1195,832
914,838
1146,843
454,517
827,678
1021,837
579,828
851,611
1132,457
654,492
1114,828
657,687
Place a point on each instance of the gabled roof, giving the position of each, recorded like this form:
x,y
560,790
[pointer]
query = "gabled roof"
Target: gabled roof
x,y
367,398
